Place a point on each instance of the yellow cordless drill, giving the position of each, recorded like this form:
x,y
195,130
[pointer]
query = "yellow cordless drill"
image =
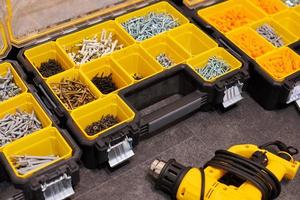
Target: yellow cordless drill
x,y
243,172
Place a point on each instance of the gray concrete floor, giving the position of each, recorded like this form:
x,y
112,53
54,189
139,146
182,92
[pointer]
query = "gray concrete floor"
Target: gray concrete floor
x,y
192,142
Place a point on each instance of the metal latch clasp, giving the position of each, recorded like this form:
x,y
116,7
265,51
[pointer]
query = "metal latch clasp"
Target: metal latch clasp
x,y
294,95
120,152
58,189
233,95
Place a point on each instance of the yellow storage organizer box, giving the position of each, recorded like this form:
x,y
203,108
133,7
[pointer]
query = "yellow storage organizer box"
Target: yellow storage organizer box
x,y
164,44
68,43
72,74
289,19
192,39
4,67
44,52
137,62
105,67
284,34
250,42
110,105
199,61
45,142
280,63
230,15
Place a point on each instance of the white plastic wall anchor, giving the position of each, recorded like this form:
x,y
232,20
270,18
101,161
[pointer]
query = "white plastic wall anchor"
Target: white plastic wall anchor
x,y
58,189
232,95
294,94
120,152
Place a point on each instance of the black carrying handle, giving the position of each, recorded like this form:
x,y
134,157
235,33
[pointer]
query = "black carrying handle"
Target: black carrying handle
x,y
174,111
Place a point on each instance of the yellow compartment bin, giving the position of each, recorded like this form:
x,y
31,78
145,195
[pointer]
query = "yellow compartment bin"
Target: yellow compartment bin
x,y
107,66
230,15
287,37
26,103
137,62
200,61
71,74
164,44
269,6
250,42
4,67
68,42
161,7
110,105
3,41
289,19
192,39
45,142
280,63
42,53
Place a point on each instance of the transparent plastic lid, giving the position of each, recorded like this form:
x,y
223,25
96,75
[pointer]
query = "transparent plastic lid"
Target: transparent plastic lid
x,y
4,42
31,21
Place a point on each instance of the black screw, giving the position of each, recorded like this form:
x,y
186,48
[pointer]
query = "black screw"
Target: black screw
x,y
104,83
50,68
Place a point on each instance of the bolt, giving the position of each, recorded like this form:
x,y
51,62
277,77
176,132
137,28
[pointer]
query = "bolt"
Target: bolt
x,y
142,28
270,34
8,88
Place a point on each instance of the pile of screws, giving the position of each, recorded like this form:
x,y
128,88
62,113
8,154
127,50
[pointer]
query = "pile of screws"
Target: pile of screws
x,y
73,93
104,123
94,48
15,126
144,27
26,163
164,60
50,68
291,3
137,76
215,67
270,34
104,83
8,88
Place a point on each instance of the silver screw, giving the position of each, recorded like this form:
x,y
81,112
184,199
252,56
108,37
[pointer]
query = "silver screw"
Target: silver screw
x,y
142,28
270,34
15,126
8,88
215,67
164,60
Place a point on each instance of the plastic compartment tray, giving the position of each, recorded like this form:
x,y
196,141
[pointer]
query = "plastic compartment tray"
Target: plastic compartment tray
x,y
289,19
191,4
4,43
269,92
65,170
34,22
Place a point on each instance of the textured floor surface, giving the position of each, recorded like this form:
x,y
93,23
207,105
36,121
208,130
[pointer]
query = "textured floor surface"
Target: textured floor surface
x,y
191,142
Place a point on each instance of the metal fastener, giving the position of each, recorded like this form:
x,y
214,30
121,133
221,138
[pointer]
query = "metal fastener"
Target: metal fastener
x,y
15,126
215,67
291,3
8,87
144,27
270,34
164,60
